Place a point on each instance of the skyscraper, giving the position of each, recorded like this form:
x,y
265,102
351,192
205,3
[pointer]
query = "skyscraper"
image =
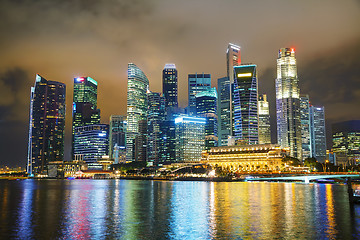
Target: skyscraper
x,y
305,126
318,134
198,82
245,104
233,59
117,138
288,103
91,142
224,129
85,111
138,85
206,107
46,125
156,117
190,134
170,91
264,120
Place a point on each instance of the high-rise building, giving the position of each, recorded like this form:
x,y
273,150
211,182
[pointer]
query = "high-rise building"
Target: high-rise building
x,y
85,111
91,142
138,85
117,138
156,117
206,107
317,133
288,103
198,82
190,134
346,142
140,144
245,104
233,59
264,120
170,81
305,126
224,122
168,142
46,125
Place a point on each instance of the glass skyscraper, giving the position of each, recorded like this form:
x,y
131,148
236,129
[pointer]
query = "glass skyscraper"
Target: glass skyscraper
x,y
317,133
46,125
91,142
198,82
245,104
206,107
288,103
170,89
117,138
224,130
190,135
305,126
264,120
138,85
85,111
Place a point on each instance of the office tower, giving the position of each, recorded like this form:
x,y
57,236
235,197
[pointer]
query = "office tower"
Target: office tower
x,y
84,110
288,103
346,142
264,120
140,146
190,134
117,138
317,133
224,129
305,126
168,142
206,107
197,83
91,142
233,59
170,81
245,104
46,125
156,117
138,85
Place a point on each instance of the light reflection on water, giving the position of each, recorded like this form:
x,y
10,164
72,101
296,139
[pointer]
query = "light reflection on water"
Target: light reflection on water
x,y
108,209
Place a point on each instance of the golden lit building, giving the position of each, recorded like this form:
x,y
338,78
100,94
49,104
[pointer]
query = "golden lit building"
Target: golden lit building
x,y
244,158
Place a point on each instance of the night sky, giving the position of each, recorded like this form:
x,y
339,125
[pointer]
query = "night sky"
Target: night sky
x,y
63,39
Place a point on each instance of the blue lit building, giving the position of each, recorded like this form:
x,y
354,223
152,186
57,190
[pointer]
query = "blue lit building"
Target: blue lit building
x,y
117,138
206,107
305,126
317,133
245,104
190,135
137,106
91,142
46,125
224,113
170,88
198,82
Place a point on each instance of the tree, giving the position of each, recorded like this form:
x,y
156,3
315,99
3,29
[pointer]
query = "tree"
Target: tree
x,y
291,161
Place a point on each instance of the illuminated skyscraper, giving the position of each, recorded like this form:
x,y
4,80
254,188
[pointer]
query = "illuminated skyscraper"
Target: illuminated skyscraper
x,y
318,134
197,83
305,126
233,59
190,134
245,104
288,103
206,107
170,91
85,111
138,85
46,125
117,138
264,120
224,129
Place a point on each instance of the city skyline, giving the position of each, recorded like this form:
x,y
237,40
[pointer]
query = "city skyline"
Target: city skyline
x,y
320,60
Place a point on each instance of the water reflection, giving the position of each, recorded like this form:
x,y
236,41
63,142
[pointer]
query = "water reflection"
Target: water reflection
x,y
108,209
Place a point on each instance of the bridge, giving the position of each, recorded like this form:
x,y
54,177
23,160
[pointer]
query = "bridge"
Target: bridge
x,y
305,178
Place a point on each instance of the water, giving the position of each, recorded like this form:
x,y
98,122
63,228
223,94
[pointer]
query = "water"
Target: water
x,y
130,209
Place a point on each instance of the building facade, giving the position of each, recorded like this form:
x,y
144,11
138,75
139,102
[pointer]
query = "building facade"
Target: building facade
x,y
91,142
138,85
318,133
206,107
305,126
117,138
198,82
190,135
224,116
288,103
264,120
246,104
170,88
46,125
